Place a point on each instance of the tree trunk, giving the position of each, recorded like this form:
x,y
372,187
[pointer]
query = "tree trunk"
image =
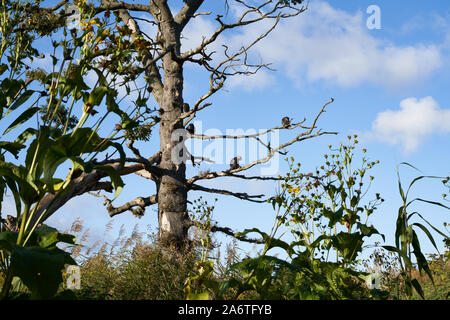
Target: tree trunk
x,y
172,189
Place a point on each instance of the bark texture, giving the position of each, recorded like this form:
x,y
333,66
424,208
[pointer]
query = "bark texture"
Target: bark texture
x,y
172,187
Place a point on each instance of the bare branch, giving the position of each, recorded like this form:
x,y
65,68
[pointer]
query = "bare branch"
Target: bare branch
x,y
115,5
242,196
243,22
139,202
300,137
225,230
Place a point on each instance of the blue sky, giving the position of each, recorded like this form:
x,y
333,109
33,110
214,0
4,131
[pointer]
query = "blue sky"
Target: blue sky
x,y
390,87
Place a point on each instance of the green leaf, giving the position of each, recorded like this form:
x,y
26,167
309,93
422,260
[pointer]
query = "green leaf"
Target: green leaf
x,y
18,286
83,140
116,180
11,87
29,192
269,241
367,231
8,240
410,165
402,194
401,253
418,288
96,96
119,148
36,152
21,100
26,135
40,269
101,78
12,147
47,237
22,118
421,260
13,187
198,296
3,68
334,217
424,229
430,202
435,229
348,244
400,227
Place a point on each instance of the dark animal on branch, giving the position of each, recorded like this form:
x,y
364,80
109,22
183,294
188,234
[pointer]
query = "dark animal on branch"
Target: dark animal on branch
x,y
190,128
286,122
234,164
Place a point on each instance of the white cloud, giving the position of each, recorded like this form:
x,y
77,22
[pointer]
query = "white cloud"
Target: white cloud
x,y
334,45
409,126
329,44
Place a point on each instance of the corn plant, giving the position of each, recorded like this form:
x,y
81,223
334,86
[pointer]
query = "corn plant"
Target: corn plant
x,y
407,242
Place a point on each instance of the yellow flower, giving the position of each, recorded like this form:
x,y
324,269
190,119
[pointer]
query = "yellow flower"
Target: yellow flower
x,y
294,190
94,21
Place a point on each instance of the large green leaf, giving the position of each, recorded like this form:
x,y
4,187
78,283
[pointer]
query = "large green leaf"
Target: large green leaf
x,y
425,230
400,188
40,269
348,244
400,227
29,192
421,260
8,240
11,88
434,228
83,140
47,237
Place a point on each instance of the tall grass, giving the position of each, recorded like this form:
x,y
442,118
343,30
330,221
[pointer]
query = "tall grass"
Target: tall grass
x,y
131,267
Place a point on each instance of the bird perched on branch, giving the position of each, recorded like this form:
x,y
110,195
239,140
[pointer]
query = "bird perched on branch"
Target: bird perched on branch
x,y
190,128
234,164
286,122
157,159
186,107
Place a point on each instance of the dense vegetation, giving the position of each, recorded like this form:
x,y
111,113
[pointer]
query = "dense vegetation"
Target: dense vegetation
x,y
326,216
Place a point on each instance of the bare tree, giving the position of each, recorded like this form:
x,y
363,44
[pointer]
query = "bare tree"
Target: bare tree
x,y
163,66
